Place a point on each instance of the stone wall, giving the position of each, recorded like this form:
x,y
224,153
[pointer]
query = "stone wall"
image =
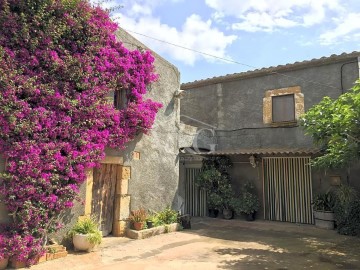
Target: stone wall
x,y
237,108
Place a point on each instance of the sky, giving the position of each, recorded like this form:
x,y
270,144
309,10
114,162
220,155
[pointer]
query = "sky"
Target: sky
x,y
250,33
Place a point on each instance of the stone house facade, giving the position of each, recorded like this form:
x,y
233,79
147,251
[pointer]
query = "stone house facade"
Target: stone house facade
x,y
252,117
145,174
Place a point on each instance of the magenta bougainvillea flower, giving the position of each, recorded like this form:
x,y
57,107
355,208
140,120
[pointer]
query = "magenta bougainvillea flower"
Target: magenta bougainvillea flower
x,y
59,61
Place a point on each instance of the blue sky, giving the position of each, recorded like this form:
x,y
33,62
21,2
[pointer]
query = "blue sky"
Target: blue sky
x,y
257,33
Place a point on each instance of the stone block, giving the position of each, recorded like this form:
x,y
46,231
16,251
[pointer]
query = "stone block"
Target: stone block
x,y
119,228
152,231
122,207
267,110
89,188
122,186
125,172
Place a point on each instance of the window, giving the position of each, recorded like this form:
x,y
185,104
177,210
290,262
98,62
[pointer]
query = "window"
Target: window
x,y
120,99
283,108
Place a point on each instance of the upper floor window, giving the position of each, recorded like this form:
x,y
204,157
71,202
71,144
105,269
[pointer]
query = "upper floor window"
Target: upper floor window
x,y
283,108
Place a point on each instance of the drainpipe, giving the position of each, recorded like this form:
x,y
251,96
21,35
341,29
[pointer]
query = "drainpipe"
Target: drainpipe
x,y
341,72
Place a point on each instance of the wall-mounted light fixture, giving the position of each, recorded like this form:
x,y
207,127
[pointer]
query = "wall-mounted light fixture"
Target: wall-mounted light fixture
x,y
253,161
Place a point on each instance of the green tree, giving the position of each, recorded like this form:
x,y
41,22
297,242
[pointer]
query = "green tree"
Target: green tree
x,y
334,126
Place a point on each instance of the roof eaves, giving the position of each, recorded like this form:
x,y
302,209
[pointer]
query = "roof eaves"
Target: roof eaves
x,y
271,70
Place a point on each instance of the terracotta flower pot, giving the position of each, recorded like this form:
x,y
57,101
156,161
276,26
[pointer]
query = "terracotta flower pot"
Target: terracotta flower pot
x,y
138,226
3,263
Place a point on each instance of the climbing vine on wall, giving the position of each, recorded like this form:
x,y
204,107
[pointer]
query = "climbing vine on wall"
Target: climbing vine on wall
x,y
59,60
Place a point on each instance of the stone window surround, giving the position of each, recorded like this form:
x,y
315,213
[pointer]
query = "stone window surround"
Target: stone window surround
x,y
267,104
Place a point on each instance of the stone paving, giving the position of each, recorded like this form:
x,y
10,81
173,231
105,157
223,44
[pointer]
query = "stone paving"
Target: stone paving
x,y
222,244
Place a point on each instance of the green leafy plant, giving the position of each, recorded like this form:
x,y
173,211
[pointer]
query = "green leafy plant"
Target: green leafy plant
x,y
334,126
87,226
248,201
347,210
324,201
168,216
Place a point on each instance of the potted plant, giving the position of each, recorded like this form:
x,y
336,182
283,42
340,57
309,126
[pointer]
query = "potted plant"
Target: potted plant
x,y
215,179
4,252
214,204
86,234
248,203
138,218
151,221
323,205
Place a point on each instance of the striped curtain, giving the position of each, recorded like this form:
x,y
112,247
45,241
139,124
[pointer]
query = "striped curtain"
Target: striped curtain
x,y
195,199
287,189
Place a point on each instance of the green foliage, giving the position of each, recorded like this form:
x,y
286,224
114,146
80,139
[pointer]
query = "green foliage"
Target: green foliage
x,y
89,227
324,201
215,179
220,163
209,178
347,210
248,201
334,125
167,216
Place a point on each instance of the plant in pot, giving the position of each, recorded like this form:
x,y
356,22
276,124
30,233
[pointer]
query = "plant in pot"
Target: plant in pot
x,y
4,252
138,218
86,234
214,204
248,202
151,221
323,206
215,179
227,196
249,205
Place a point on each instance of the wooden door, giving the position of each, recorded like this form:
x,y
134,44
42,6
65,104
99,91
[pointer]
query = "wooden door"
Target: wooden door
x,y
103,196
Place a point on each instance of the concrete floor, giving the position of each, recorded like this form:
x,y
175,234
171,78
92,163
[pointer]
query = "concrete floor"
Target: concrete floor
x,y
223,244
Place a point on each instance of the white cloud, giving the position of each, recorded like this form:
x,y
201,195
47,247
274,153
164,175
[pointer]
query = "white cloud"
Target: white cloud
x,y
347,28
269,15
195,33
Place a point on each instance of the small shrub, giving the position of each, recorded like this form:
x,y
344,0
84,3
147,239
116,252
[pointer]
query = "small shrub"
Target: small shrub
x,y
324,201
168,216
347,210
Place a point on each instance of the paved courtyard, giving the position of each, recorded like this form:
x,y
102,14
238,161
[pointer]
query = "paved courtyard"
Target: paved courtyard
x,y
223,244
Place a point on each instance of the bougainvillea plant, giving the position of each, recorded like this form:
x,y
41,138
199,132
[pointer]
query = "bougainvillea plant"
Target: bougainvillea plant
x,y
59,62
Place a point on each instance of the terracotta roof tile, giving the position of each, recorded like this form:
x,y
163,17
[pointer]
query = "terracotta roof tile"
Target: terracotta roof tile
x,y
263,151
271,70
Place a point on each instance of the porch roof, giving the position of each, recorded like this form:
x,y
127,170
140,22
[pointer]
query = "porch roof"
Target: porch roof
x,y
257,151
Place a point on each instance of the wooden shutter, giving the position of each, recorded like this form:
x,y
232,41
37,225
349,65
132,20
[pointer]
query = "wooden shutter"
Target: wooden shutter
x,y
283,108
